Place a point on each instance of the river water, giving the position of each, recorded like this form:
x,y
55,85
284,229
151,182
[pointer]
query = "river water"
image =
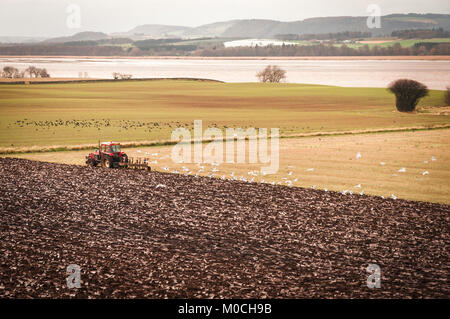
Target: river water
x,y
349,73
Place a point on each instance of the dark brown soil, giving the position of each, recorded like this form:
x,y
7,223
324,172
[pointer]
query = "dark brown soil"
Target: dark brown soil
x,y
202,237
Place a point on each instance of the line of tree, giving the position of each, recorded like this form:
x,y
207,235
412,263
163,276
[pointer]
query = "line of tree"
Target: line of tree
x,y
428,45
338,36
187,50
327,50
421,33
10,72
114,41
164,47
82,48
178,48
153,43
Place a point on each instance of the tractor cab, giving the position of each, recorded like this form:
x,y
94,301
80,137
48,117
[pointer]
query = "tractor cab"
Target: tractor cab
x,y
110,148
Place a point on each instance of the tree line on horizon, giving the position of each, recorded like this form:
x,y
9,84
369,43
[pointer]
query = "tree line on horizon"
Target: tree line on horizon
x,y
421,34
352,35
338,36
330,50
425,48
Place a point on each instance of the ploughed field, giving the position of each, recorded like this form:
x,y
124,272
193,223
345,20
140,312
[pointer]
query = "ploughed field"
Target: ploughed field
x,y
157,235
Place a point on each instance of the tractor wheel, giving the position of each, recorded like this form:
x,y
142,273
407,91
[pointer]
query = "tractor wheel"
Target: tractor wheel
x,y
106,163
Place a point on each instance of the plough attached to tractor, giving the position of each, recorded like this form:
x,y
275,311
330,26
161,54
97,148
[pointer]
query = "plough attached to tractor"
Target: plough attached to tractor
x,y
109,155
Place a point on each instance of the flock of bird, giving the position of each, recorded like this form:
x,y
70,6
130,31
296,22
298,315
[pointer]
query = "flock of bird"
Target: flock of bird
x,y
214,172
201,170
98,124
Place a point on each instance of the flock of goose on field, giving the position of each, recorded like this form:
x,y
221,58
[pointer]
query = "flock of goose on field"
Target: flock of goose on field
x,y
95,123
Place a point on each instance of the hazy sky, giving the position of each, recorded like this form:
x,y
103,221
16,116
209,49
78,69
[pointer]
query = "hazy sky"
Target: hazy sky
x,y
49,17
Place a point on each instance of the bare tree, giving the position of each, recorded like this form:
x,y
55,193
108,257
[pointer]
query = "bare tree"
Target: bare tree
x,y
43,73
272,74
121,76
408,94
32,71
10,72
36,72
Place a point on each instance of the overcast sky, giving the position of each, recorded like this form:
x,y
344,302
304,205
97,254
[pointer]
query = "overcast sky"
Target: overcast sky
x,y
48,18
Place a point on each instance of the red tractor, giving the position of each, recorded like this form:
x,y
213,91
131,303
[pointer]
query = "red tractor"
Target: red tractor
x,y
109,155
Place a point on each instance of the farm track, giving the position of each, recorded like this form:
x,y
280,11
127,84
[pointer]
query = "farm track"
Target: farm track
x,y
156,235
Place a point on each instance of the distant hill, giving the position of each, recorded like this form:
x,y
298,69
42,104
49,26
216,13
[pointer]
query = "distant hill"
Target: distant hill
x,y
257,28
81,36
213,29
158,31
254,29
